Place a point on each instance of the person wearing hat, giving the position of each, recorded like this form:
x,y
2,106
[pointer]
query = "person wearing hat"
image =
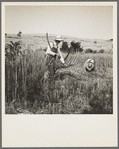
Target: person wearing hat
x,y
89,65
54,49
54,60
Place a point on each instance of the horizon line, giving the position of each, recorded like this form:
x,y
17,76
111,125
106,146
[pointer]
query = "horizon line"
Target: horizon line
x,y
43,34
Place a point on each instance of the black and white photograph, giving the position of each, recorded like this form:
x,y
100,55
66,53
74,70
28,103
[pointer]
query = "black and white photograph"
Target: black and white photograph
x,y
59,60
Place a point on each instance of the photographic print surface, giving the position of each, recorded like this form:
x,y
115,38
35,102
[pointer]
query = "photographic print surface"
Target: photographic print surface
x,y
80,80
59,74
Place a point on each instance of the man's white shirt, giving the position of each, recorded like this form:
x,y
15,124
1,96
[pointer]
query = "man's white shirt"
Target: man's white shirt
x,y
53,44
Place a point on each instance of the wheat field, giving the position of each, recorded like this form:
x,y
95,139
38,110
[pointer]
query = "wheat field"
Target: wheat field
x,y
92,93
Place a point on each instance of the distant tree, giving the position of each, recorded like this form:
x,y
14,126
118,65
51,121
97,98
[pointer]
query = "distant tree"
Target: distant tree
x,y
89,51
94,51
65,47
111,39
95,41
76,46
101,51
19,34
73,44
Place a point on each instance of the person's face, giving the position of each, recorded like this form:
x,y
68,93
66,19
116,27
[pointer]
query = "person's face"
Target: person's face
x,y
57,42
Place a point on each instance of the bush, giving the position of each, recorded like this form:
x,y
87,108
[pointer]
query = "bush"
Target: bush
x,y
65,47
101,51
94,51
89,51
13,49
76,46
110,39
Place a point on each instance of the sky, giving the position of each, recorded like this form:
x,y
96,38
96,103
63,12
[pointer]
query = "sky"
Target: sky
x,y
92,22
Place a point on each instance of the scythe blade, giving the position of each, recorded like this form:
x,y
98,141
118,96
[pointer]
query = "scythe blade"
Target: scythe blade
x,y
48,40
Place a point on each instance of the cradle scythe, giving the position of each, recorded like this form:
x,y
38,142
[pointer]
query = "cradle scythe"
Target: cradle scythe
x,y
48,40
58,73
50,48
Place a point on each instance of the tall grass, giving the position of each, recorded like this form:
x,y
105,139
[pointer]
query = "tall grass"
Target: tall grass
x,y
72,96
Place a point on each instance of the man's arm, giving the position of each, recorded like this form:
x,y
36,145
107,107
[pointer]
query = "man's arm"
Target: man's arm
x,y
49,50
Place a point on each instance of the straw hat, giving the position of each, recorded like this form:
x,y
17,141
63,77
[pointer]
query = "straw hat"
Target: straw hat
x,y
89,65
58,38
90,61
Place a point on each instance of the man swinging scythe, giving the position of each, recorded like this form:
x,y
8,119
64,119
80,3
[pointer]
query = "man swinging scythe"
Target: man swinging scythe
x,y
54,61
53,52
